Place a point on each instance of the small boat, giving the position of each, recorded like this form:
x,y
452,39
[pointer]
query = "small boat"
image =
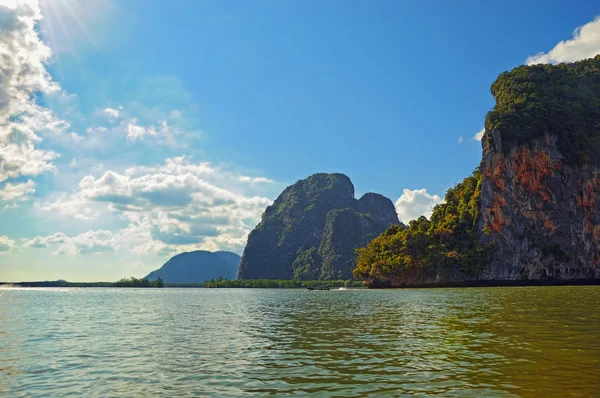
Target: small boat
x,y
321,287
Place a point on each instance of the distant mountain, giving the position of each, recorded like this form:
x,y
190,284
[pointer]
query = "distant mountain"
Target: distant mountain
x,y
198,266
312,230
233,263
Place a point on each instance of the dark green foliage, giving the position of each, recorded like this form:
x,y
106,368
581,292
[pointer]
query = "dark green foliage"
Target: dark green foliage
x,y
563,100
135,282
293,223
312,230
307,265
278,283
427,249
345,230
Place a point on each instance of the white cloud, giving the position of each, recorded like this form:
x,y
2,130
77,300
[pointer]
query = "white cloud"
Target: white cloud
x,y
11,206
460,140
22,76
71,206
416,203
17,191
137,264
256,180
6,245
96,130
135,132
178,205
163,131
45,241
88,242
203,170
76,138
129,130
479,135
85,243
584,44
110,112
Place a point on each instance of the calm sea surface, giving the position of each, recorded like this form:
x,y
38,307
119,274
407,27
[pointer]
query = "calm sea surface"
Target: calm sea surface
x,y
530,341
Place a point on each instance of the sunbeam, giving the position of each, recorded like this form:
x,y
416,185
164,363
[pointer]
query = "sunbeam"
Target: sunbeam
x,y
66,22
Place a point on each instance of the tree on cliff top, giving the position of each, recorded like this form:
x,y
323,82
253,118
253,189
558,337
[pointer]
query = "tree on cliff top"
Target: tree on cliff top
x,y
562,100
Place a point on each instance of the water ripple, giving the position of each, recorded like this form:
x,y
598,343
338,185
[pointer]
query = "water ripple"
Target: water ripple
x,y
203,342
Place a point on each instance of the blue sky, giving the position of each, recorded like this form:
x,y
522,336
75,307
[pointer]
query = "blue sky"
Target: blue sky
x,y
131,131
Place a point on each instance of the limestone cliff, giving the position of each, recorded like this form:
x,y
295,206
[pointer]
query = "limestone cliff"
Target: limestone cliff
x,y
312,230
543,214
540,173
531,211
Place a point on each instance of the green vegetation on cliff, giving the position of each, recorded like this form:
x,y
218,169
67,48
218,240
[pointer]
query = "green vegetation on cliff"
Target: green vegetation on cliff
x,y
312,229
562,100
307,266
345,231
428,250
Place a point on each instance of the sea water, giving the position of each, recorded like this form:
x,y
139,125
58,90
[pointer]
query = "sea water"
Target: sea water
x,y
518,341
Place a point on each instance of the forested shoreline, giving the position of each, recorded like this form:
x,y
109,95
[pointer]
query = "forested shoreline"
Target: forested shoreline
x,y
296,284
213,283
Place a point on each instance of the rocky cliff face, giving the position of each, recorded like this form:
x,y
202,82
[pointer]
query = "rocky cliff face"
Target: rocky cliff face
x,y
543,214
312,229
531,211
346,230
540,173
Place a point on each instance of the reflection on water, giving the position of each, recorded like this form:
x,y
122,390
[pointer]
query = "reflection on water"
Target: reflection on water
x,y
528,341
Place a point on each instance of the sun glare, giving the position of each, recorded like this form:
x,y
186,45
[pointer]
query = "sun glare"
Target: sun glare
x,y
65,27
65,21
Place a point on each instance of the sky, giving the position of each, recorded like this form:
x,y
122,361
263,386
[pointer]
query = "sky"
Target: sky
x,y
132,130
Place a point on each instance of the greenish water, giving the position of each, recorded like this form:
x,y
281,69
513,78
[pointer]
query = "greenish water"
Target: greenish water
x,y
530,341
